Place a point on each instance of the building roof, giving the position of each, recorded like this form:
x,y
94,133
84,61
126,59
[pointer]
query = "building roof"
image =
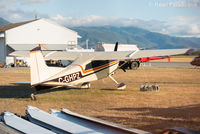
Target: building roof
x,y
10,26
3,28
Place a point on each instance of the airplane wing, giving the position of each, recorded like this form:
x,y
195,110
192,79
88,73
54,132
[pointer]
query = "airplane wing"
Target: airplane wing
x,y
63,55
119,55
94,55
27,53
163,52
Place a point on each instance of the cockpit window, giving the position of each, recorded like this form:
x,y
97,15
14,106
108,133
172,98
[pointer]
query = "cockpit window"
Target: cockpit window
x,y
58,63
97,63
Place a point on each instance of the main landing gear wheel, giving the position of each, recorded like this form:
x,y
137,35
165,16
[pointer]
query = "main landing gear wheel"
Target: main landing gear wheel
x,y
85,85
120,86
134,65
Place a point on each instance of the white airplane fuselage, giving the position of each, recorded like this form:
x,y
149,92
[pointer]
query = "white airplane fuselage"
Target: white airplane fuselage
x,y
72,75
76,74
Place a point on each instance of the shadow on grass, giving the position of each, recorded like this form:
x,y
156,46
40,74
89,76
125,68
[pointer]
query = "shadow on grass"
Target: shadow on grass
x,y
186,112
158,119
24,91
110,89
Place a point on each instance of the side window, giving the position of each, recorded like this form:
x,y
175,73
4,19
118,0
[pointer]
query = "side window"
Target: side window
x,y
88,66
96,63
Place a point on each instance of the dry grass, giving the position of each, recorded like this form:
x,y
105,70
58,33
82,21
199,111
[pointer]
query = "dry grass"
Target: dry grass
x,y
177,59
177,104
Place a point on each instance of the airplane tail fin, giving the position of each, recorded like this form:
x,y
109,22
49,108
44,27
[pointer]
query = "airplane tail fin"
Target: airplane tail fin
x,y
38,66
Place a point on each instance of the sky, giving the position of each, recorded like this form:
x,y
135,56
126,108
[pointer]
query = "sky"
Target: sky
x,y
174,17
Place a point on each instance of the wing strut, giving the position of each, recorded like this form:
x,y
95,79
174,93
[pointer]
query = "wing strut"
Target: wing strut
x,y
120,86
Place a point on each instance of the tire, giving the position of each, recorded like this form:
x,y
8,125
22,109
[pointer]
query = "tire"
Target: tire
x,y
134,65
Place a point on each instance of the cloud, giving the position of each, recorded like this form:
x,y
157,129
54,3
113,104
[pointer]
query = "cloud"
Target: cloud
x,y
184,19
184,26
94,20
178,26
17,14
29,2
91,20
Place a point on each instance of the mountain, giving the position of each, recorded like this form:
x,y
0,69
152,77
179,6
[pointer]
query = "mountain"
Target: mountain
x,y
133,35
130,35
3,22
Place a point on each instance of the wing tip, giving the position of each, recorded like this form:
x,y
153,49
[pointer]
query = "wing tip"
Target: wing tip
x,y
189,51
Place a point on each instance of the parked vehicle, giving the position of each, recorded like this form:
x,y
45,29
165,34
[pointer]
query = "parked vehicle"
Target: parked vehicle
x,y
21,63
196,61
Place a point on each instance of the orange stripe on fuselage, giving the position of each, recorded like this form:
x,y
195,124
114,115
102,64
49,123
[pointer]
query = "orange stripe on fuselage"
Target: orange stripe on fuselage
x,y
96,68
34,51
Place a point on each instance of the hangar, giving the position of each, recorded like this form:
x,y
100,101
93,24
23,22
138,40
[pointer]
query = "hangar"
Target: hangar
x,y
27,35
101,46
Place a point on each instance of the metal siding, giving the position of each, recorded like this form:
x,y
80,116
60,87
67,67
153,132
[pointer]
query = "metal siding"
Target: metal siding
x,y
56,124
2,51
40,32
63,121
23,125
93,123
99,124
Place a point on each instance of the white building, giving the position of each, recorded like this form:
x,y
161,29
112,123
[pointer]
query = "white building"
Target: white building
x,y
27,35
110,47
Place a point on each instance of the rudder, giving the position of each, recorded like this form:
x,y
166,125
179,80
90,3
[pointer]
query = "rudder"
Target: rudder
x,y
38,66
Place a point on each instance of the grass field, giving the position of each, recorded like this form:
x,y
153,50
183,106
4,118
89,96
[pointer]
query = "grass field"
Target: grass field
x,y
177,104
180,58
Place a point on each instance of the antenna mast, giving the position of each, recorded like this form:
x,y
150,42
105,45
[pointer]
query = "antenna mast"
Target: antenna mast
x,y
36,17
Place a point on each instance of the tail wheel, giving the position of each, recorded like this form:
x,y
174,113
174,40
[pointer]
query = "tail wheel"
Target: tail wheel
x,y
134,65
121,86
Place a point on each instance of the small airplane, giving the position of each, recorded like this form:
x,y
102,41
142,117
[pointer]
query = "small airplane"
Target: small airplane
x,y
85,66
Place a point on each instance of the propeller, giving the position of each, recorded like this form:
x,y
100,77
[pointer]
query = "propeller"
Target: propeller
x,y
123,66
116,46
